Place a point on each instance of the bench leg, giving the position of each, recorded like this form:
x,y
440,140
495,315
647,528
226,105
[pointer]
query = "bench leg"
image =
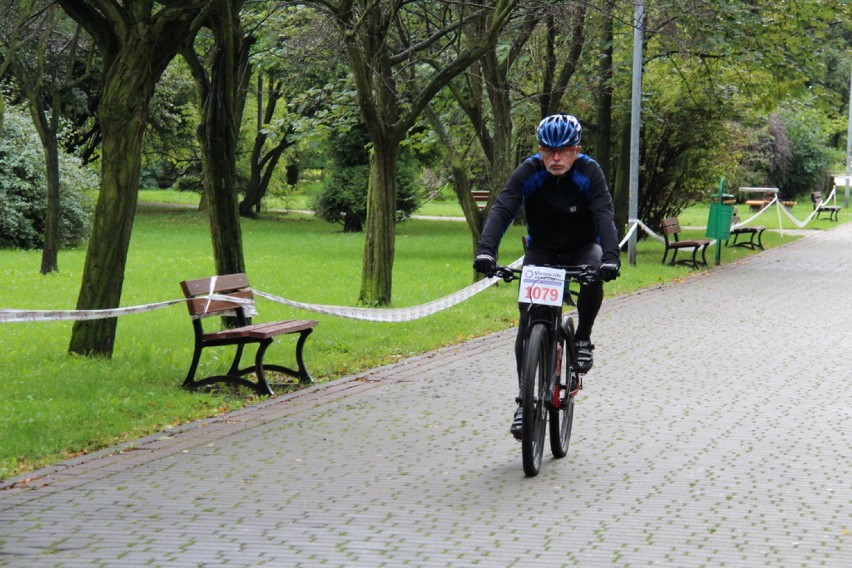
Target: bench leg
x,y
262,387
301,371
234,375
235,364
188,382
674,258
703,256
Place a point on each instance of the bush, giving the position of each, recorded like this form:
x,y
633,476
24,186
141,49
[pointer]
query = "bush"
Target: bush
x,y
23,188
343,197
811,157
790,151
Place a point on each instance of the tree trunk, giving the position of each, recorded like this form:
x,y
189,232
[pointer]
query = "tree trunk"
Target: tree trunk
x,y
377,272
47,131
621,184
219,131
501,162
137,45
603,134
262,163
123,115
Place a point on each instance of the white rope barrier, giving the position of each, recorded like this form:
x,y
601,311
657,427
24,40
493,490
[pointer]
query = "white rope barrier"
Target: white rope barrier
x,y
633,224
650,232
756,215
20,316
17,316
799,224
388,314
365,314
394,314
783,209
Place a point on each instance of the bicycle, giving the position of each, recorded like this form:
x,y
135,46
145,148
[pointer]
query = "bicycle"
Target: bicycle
x,y
548,393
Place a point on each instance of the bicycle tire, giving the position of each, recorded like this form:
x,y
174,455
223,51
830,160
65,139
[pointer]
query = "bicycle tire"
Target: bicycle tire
x,y
534,399
562,419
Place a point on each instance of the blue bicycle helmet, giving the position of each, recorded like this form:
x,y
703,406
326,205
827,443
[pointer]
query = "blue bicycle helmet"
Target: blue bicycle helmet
x,y
559,130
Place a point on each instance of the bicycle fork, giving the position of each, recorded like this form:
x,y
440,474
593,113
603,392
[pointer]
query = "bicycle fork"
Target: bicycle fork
x,y
574,381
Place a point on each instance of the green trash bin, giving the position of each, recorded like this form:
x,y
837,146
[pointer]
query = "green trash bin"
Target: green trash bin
x,y
719,221
719,226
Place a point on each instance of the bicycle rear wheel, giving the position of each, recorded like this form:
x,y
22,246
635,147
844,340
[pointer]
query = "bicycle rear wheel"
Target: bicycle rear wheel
x,y
535,395
562,418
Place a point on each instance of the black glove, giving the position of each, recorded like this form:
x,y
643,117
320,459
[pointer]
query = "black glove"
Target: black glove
x,y
609,271
485,264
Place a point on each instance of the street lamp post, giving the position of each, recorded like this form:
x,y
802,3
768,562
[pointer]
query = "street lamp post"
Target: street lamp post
x,y
635,123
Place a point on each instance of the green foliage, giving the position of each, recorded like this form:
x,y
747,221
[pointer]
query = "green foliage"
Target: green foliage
x,y
170,146
22,188
811,157
684,138
790,151
716,74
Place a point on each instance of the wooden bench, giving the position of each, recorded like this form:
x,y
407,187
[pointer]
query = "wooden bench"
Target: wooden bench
x,y
201,305
671,233
481,198
755,232
820,207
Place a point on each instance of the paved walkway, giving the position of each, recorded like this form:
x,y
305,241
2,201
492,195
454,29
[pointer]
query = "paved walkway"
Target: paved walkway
x,y
715,430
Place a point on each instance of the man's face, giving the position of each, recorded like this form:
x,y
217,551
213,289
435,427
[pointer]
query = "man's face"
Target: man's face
x,y
559,160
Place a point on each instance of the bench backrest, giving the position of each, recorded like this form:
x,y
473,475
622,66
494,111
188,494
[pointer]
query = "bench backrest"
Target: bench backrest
x,y
670,226
816,197
235,285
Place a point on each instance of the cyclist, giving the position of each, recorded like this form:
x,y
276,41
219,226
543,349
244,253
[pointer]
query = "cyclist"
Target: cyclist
x,y
570,221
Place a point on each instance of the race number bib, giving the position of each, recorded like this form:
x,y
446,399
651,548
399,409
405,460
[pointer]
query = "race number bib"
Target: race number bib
x,y
542,285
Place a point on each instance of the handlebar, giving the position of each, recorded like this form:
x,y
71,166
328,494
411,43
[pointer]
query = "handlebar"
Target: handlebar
x,y
583,273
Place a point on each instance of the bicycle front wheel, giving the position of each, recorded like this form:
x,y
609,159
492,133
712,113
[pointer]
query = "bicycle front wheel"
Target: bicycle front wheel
x,y
534,398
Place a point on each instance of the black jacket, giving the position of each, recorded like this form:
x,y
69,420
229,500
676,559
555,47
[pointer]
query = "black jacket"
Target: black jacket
x,y
562,212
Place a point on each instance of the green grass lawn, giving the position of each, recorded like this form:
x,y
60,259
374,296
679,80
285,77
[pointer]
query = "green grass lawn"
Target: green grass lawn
x,y
54,406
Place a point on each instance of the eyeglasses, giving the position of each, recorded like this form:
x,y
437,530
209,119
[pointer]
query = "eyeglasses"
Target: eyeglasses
x,y
562,150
